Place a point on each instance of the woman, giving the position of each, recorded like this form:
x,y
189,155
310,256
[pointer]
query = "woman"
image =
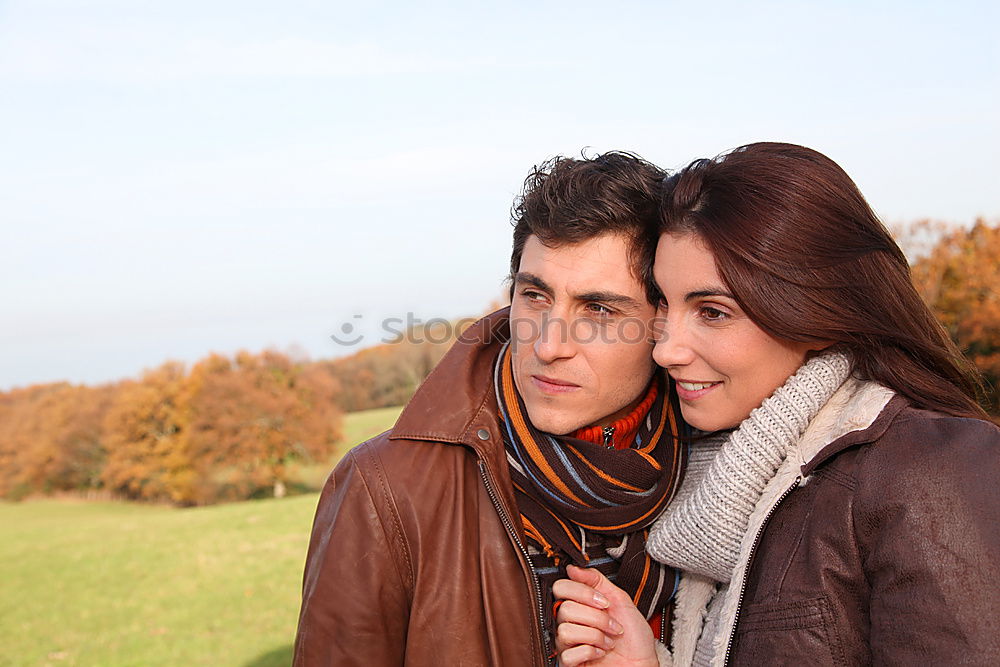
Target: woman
x,y
844,505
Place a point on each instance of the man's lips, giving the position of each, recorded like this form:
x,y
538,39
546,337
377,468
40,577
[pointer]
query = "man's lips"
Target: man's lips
x,y
689,390
552,385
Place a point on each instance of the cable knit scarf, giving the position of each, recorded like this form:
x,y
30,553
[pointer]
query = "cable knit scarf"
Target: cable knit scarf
x,y
702,529
591,505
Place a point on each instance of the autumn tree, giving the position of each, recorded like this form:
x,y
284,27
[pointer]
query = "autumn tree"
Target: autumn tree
x,y
20,424
146,459
51,438
960,280
70,455
249,417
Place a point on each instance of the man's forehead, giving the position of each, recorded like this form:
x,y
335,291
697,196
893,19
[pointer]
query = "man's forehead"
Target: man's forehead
x,y
596,265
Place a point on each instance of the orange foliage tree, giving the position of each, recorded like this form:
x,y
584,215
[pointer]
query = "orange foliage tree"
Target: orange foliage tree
x,y
50,438
960,280
146,459
224,431
250,417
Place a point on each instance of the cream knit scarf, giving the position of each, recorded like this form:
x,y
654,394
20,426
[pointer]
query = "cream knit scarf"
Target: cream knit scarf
x,y
701,530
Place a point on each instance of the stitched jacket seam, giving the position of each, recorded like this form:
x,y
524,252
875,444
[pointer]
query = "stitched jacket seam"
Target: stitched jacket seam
x,y
396,538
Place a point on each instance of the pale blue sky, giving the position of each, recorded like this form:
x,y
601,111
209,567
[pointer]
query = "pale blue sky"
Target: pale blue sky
x,y
180,177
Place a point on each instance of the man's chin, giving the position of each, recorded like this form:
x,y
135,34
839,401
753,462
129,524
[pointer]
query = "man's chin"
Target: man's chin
x,y
555,422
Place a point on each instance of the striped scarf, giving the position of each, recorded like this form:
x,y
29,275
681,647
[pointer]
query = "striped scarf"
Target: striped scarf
x,y
591,505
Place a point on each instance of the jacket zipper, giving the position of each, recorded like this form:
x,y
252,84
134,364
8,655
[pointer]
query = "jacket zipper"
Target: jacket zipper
x,y
746,572
609,434
536,589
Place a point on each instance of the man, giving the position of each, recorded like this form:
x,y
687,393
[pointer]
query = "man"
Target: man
x,y
544,437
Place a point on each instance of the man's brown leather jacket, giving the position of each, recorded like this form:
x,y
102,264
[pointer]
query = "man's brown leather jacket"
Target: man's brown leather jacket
x,y
416,557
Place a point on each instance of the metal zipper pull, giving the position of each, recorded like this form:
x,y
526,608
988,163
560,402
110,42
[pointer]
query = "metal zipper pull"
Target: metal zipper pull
x,y
609,434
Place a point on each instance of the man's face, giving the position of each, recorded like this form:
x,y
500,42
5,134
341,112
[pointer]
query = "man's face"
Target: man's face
x,y
580,330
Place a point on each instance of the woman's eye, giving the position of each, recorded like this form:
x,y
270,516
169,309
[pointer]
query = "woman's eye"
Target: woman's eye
x,y
713,314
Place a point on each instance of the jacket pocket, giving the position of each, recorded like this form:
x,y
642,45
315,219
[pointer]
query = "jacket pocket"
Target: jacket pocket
x,y
787,633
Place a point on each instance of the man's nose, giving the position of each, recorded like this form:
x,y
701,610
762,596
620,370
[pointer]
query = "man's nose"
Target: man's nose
x,y
554,340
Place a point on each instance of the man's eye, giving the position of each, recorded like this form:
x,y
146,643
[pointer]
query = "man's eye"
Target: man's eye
x,y
599,309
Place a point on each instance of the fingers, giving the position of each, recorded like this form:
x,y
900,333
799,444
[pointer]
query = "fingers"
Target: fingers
x,y
571,634
581,614
567,589
600,584
584,575
579,655
599,622
593,578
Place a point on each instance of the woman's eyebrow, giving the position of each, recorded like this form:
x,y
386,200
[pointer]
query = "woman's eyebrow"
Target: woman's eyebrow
x,y
699,294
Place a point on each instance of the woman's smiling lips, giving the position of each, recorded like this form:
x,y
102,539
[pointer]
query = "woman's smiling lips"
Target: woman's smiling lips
x,y
688,390
552,385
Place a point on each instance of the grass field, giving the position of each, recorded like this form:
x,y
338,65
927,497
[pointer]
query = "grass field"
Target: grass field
x,y
124,584
359,426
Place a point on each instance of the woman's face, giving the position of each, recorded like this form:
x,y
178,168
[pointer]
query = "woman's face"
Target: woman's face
x,y
723,363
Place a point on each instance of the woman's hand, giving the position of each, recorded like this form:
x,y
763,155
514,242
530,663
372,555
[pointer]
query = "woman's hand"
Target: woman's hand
x,y
599,625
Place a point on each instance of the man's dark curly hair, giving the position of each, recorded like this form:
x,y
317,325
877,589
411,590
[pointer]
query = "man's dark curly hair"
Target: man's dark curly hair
x,y
569,200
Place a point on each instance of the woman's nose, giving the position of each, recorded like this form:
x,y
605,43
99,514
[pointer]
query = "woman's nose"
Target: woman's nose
x,y
672,347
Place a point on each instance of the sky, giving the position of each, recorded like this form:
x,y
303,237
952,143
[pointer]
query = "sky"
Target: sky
x,y
183,177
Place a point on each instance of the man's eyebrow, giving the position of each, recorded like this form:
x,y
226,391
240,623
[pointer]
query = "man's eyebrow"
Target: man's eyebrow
x,y
698,294
610,298
525,278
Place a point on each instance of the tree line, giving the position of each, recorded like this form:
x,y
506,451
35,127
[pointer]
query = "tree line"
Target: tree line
x,y
225,428
230,428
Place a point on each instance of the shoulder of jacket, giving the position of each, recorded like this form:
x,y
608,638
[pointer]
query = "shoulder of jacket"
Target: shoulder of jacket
x,y
391,450
402,468
923,450
912,443
914,433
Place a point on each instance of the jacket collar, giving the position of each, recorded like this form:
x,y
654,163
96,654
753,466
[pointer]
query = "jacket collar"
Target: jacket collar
x,y
858,412
456,402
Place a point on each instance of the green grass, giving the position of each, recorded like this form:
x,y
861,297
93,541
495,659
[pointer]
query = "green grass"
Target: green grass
x,y
359,426
121,584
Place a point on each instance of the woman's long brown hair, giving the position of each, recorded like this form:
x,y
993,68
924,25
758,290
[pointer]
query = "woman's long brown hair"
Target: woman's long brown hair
x,y
808,260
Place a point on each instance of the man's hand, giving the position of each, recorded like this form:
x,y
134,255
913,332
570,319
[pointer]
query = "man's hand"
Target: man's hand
x,y
599,624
